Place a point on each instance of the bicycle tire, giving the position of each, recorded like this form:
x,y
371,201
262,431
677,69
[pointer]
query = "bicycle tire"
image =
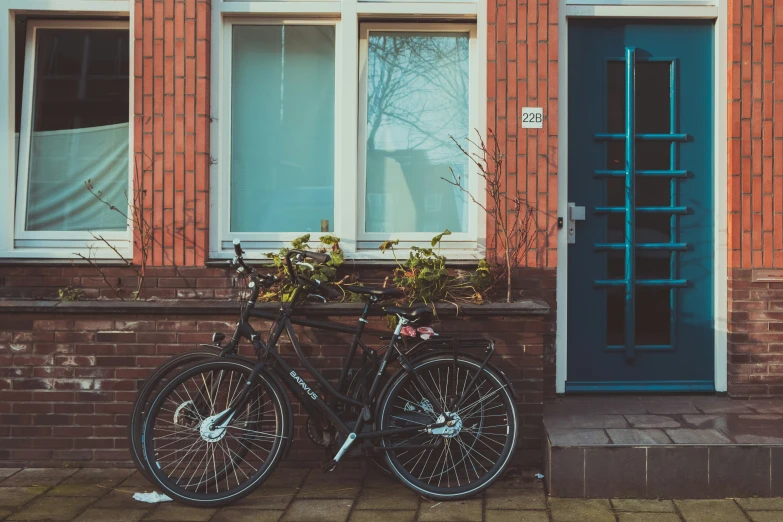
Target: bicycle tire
x,y
478,422
192,434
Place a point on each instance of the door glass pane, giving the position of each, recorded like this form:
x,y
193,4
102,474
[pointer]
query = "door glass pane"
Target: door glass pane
x,y
653,316
653,115
282,128
417,98
79,130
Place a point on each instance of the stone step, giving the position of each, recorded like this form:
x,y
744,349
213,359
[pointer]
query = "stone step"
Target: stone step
x,y
663,447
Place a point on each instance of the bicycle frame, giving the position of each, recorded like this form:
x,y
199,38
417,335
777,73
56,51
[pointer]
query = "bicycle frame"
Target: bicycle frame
x,y
311,401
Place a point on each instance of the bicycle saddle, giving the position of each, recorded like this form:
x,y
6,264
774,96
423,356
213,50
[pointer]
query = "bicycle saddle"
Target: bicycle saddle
x,y
382,293
418,315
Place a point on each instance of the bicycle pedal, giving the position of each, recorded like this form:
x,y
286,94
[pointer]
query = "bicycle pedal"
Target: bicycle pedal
x,y
329,466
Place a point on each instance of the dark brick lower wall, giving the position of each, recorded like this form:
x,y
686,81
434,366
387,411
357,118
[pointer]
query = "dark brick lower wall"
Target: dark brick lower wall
x,y
755,338
67,379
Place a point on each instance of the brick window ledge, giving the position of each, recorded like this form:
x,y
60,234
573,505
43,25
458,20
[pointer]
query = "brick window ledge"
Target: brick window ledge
x,y
522,307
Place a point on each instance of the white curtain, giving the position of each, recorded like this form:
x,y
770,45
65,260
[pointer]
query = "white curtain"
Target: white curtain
x,y
60,162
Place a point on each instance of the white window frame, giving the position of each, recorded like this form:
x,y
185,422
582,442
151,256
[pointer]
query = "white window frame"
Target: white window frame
x,y
62,247
472,216
265,238
349,18
26,132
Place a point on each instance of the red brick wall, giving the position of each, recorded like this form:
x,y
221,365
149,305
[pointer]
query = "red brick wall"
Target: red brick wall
x,y
755,196
522,72
171,123
67,380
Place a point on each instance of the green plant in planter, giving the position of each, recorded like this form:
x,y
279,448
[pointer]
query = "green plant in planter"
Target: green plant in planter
x,y
323,272
424,276
70,294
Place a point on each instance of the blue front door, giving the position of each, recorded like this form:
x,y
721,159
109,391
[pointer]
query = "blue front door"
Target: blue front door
x,y
640,181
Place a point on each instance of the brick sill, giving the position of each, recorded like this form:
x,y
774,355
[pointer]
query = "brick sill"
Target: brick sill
x,y
523,307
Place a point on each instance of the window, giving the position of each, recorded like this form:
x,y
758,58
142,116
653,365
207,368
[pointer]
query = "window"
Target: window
x,y
74,128
416,93
344,126
282,128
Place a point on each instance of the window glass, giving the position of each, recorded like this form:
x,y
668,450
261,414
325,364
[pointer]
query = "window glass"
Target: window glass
x,y
282,128
79,130
417,98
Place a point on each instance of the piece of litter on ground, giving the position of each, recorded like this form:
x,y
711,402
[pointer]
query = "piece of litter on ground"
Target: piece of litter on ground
x,y
435,505
539,476
151,498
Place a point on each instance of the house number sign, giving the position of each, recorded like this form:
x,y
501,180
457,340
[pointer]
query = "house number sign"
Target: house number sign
x,y
532,117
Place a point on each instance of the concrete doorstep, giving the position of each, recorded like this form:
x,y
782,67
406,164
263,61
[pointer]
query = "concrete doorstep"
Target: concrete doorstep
x,y
350,494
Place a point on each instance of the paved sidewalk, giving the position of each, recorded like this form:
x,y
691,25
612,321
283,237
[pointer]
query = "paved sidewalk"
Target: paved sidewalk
x,y
348,494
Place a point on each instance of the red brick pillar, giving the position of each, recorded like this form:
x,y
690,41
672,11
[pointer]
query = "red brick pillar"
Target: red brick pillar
x,y
755,196
522,71
171,123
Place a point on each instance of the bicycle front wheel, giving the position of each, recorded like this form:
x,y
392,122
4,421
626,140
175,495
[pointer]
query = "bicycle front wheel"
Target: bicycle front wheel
x,y
203,464
142,403
465,458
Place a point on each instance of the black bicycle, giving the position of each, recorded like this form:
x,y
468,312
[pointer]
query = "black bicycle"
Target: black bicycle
x,y
445,421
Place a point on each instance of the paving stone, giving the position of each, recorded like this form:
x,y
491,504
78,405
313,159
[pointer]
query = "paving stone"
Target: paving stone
x,y
516,516
336,484
378,479
286,477
641,505
233,514
79,490
725,406
7,472
638,437
669,407
648,517
515,499
577,437
710,511
137,480
456,511
766,516
318,511
267,498
580,510
39,477
392,498
761,504
763,406
585,421
102,476
172,512
652,421
120,498
52,508
13,497
113,515
4,513
382,516
687,436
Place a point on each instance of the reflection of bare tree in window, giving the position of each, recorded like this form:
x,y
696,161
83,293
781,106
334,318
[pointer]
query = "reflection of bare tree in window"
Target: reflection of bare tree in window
x,y
419,83
417,96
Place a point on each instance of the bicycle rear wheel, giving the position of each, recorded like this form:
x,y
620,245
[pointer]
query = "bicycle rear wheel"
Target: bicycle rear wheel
x,y
199,463
466,458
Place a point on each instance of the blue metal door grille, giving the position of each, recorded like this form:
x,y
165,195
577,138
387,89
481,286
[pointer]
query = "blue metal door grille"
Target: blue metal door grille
x,y
629,246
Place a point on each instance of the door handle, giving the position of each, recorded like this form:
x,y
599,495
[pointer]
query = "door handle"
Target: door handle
x,y
574,214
